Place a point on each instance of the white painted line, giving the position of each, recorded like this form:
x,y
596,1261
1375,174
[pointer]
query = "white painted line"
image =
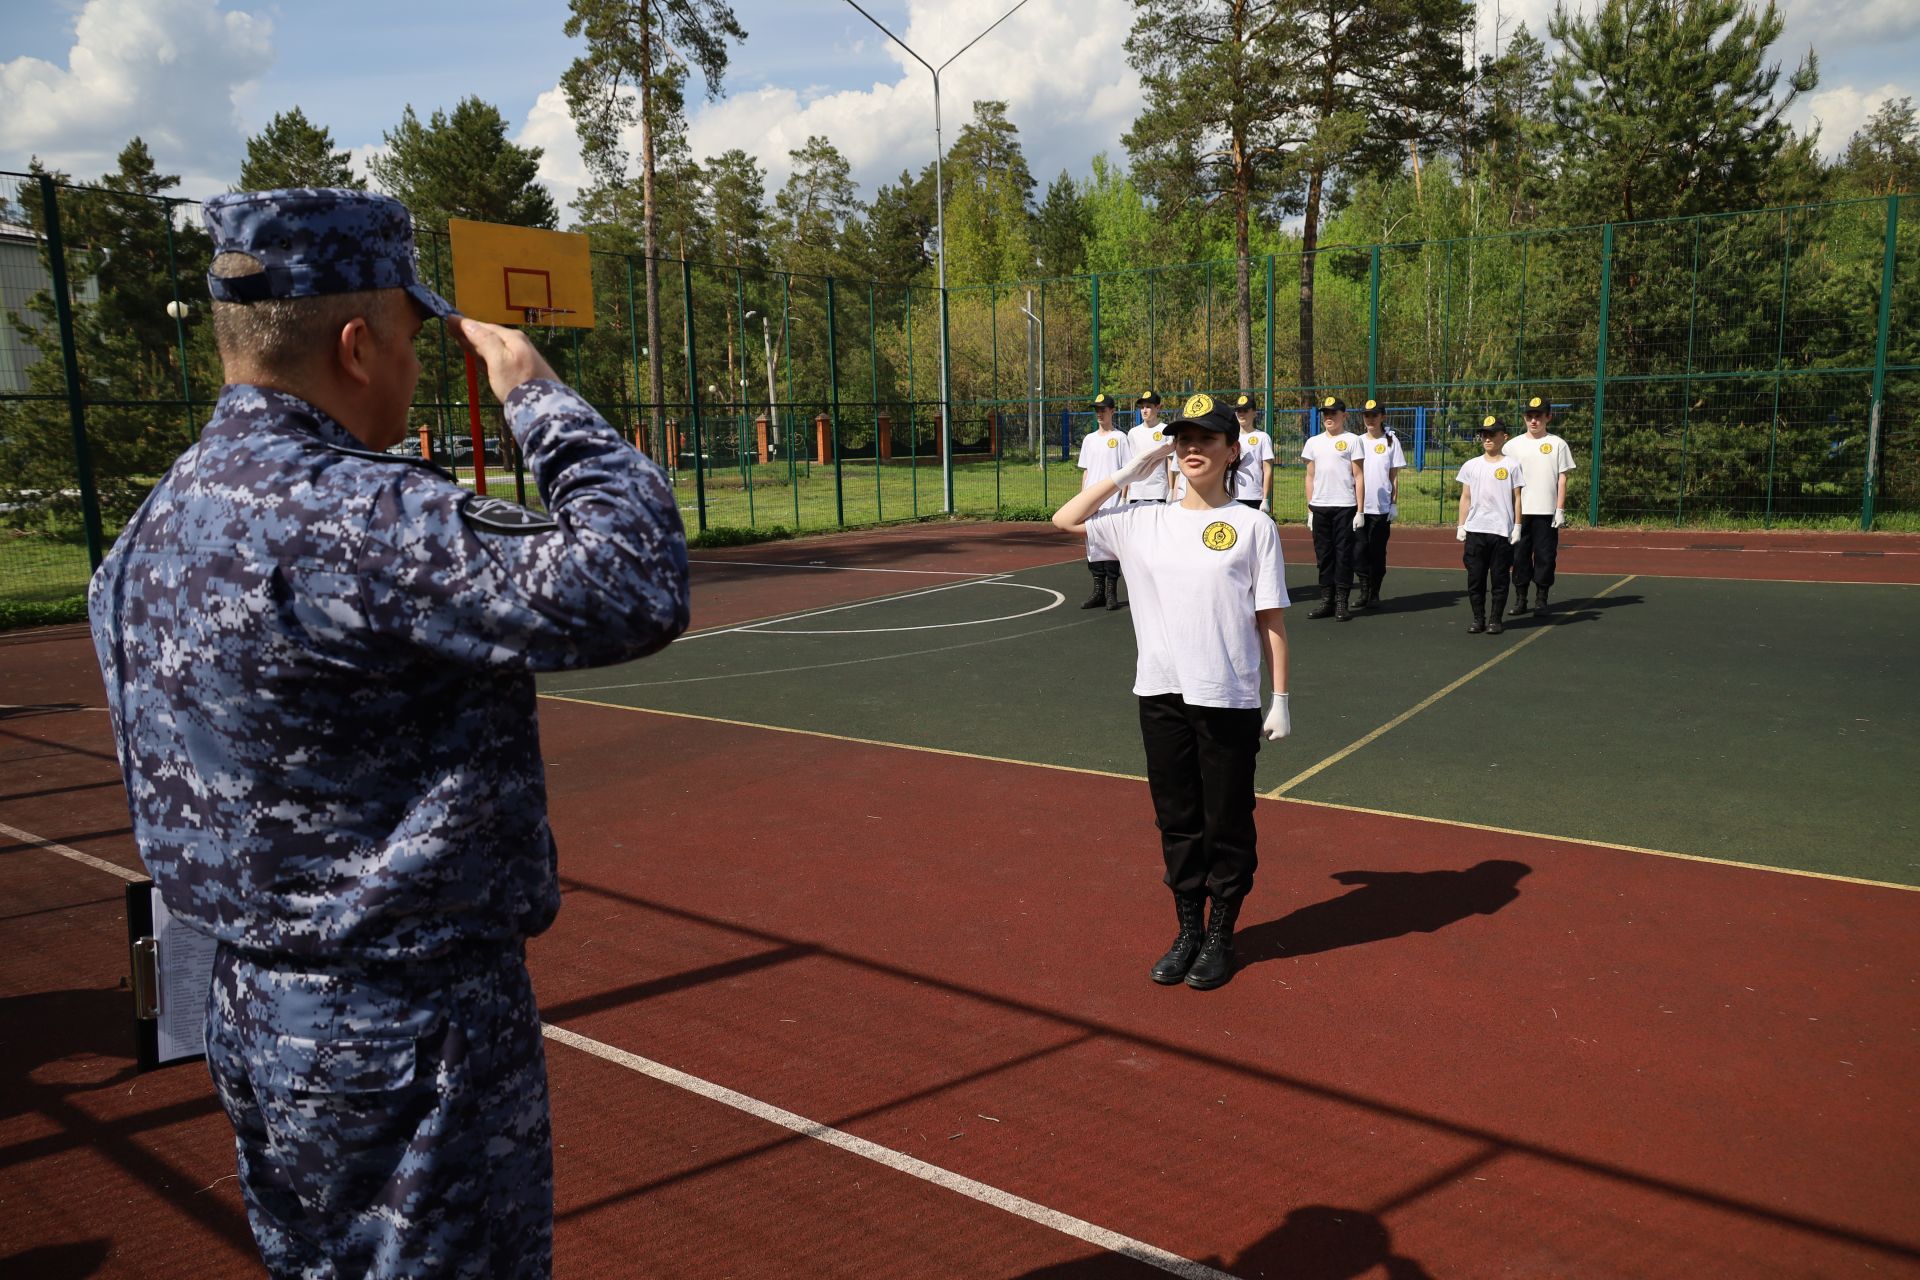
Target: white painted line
x,y
85,859
839,608
767,628
946,1179
846,568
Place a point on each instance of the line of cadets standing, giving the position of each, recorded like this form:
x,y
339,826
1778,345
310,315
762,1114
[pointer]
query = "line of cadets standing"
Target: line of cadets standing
x,y
1512,501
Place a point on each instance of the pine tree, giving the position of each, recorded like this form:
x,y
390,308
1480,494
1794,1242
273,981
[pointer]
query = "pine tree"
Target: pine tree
x,y
294,152
1061,228
735,205
462,166
1883,156
815,207
988,149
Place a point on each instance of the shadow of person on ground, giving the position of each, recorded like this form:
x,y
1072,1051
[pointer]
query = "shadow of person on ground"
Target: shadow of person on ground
x,y
1419,602
1315,1242
56,1261
1574,611
1383,904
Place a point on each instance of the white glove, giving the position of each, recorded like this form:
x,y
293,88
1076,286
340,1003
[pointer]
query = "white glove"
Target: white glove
x,y
1393,511
1278,724
1359,519
1309,519
1266,507
1460,533
1559,517
1138,469
1514,537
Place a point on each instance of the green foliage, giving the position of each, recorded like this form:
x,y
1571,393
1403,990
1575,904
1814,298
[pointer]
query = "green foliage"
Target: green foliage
x,y
15,614
461,165
292,151
1883,156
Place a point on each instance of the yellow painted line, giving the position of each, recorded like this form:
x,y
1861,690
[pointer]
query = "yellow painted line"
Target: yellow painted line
x,y
1317,804
1604,844
1431,698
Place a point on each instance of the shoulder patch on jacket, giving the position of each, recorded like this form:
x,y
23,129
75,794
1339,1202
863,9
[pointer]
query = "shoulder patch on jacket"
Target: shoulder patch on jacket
x,y
497,515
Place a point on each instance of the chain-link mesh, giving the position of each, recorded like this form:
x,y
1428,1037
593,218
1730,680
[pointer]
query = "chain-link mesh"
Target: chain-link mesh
x,y
1728,366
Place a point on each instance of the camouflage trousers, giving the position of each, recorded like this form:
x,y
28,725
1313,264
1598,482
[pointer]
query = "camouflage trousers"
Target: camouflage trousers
x,y
389,1122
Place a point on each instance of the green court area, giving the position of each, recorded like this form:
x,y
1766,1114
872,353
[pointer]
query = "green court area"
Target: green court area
x,y
1766,722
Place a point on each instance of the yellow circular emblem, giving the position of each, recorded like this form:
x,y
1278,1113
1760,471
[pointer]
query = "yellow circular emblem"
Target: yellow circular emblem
x,y
1218,536
1197,406
1535,403
1546,448
1380,448
1340,446
1499,473
1489,421
1159,435
1114,443
1253,437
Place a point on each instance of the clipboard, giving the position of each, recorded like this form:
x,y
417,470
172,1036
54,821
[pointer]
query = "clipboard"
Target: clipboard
x,y
172,970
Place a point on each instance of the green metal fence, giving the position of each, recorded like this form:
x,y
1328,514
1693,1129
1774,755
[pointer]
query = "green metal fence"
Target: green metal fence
x,y
1757,368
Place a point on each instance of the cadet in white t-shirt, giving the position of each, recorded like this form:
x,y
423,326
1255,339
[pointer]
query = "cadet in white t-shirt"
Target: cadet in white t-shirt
x,y
1150,434
1544,461
1208,588
1253,478
1381,461
1333,511
1103,453
1489,523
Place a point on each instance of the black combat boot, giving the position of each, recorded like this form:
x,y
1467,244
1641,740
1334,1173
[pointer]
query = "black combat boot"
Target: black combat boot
x,y
1362,593
1341,612
1494,625
1520,603
1099,596
1173,966
1478,624
1543,601
1214,965
1326,604
1113,588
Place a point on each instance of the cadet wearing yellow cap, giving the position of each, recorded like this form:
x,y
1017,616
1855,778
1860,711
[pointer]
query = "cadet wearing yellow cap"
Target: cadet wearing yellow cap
x,y
1253,478
1544,461
1382,461
1489,524
1333,511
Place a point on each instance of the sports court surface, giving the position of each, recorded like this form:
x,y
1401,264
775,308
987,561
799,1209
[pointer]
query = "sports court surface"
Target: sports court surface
x,y
862,886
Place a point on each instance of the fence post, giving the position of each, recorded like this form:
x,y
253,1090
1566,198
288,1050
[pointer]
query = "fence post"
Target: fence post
x,y
70,358
833,402
873,385
946,407
1373,323
1269,388
1880,360
1779,358
1600,371
1096,334
693,398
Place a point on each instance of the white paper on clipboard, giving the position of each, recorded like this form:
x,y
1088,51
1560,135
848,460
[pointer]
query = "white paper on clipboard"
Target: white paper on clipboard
x,y
185,963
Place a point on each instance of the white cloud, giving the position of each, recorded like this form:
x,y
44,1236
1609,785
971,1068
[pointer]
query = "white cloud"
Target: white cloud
x,y
1061,68
169,71
1841,111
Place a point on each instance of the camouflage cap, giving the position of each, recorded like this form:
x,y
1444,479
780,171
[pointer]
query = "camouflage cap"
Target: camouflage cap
x,y
314,241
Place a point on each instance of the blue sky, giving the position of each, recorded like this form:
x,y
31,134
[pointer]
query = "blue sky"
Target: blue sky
x,y
194,77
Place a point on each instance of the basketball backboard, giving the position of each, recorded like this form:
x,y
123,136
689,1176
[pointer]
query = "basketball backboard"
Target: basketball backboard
x,y
521,275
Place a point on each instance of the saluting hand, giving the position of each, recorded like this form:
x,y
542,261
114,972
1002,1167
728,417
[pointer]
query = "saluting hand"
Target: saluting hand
x,y
508,354
1142,466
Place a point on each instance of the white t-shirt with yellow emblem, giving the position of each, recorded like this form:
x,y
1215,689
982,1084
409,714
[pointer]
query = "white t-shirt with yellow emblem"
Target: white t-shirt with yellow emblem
x,y
1381,458
1249,478
1144,439
1541,462
1101,454
1194,581
1490,483
1332,458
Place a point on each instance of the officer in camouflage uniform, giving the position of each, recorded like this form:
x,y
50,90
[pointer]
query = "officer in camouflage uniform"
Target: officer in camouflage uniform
x,y
319,661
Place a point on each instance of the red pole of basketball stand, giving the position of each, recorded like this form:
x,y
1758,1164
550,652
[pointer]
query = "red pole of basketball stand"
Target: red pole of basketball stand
x,y
473,418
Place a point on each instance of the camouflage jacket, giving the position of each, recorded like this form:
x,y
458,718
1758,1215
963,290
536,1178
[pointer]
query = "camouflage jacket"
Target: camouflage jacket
x,y
319,663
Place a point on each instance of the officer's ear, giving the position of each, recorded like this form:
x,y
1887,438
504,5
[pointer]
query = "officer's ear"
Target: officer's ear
x,y
353,351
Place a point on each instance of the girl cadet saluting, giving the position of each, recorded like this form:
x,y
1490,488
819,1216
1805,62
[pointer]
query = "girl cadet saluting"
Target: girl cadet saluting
x,y
1208,587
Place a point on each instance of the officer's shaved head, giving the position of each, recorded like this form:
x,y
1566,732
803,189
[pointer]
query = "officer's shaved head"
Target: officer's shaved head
x,y
285,335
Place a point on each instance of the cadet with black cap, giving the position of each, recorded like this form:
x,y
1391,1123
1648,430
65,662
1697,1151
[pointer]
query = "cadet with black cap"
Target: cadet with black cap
x,y
1544,461
1333,507
1149,434
1382,461
1489,524
342,781
1209,590
1102,453
1253,478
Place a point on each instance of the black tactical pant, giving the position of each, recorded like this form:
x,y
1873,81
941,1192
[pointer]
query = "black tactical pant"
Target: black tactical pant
x,y
1487,555
1333,546
1370,550
1535,553
1200,773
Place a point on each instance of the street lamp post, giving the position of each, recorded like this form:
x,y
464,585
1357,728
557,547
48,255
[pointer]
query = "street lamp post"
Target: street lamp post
x,y
1039,376
773,410
940,233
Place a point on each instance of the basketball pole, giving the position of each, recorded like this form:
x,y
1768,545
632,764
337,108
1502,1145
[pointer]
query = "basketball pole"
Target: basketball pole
x,y
473,419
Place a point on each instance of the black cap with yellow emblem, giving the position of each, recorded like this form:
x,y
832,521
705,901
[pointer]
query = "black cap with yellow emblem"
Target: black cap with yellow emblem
x,y
1333,404
1147,397
1103,401
1205,412
1373,409
1536,404
1491,425
1244,403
